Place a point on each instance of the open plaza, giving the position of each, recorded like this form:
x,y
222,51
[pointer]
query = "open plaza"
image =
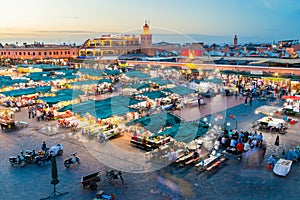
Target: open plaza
x,y
174,133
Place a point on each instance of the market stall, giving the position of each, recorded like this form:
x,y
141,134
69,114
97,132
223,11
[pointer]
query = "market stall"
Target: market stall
x,y
7,120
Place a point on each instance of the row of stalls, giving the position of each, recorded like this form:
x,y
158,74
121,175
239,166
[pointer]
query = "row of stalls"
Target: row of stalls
x,y
142,109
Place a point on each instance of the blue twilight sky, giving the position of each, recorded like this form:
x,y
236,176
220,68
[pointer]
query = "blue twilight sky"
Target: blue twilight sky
x,y
207,20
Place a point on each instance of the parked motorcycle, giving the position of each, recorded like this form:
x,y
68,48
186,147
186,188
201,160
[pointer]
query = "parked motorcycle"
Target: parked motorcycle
x,y
42,157
114,174
17,161
72,160
29,156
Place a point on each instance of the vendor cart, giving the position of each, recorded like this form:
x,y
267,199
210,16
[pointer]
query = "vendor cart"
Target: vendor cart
x,y
282,167
91,180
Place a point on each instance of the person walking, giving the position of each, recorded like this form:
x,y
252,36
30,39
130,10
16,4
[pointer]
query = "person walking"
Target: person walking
x,y
29,112
250,99
246,100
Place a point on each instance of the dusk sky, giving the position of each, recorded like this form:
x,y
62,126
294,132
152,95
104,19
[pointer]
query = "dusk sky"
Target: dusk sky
x,y
77,20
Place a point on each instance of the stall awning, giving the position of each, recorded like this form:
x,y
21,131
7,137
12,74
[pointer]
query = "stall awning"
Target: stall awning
x,y
137,74
154,95
160,82
180,90
294,98
185,131
267,110
156,122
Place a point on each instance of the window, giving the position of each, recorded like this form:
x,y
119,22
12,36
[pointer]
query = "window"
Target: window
x,y
28,53
20,53
33,53
50,53
45,53
40,53
24,53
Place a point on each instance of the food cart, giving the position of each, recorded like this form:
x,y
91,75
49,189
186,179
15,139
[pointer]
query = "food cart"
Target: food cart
x,y
282,167
272,123
269,122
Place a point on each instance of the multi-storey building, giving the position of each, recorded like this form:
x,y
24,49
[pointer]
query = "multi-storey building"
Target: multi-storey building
x,y
38,51
110,45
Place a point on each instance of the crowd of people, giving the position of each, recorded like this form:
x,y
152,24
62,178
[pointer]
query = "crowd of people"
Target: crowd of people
x,y
241,141
40,112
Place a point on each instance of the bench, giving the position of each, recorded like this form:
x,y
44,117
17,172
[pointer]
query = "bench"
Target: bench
x,y
206,162
138,144
215,165
191,161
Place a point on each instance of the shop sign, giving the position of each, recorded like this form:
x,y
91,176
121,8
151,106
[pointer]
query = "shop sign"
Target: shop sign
x,y
256,72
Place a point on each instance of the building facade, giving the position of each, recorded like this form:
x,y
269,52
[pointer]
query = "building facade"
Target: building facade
x,y
110,45
39,52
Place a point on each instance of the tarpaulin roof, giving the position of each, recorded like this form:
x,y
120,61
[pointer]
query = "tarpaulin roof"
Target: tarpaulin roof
x,y
8,82
69,92
20,92
56,99
137,74
267,110
180,90
292,97
5,78
111,72
156,122
154,94
91,71
214,80
160,82
185,131
45,67
140,86
92,82
103,109
43,89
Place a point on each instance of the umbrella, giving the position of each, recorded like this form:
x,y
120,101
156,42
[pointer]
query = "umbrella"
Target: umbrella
x,y
277,141
54,173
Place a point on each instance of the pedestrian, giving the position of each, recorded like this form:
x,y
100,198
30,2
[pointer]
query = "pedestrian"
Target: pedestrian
x,y
199,101
44,146
29,112
277,141
271,161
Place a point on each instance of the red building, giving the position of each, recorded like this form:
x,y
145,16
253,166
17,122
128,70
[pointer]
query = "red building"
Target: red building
x,y
38,52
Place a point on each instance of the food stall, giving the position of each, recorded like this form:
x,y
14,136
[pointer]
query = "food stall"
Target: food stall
x,y
292,105
269,122
7,120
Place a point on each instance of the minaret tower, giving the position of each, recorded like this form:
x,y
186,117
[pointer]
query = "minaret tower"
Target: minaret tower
x,y
235,41
146,40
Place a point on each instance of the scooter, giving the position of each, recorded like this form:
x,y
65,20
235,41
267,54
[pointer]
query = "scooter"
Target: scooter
x,y
70,161
114,174
42,158
29,156
16,161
